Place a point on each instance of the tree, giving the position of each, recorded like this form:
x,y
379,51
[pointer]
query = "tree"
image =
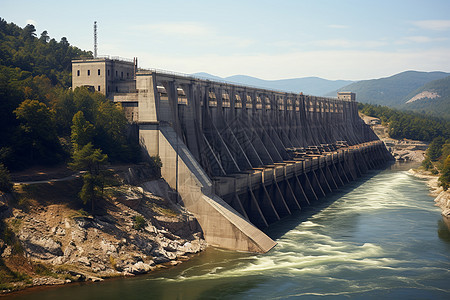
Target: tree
x,y
29,31
444,179
5,180
44,36
434,151
90,160
37,131
82,131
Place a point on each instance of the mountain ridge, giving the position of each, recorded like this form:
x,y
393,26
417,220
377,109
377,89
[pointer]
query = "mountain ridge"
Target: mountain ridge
x,y
308,85
392,90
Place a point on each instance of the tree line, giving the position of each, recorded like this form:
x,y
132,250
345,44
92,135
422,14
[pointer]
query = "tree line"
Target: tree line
x,y
437,160
20,48
409,125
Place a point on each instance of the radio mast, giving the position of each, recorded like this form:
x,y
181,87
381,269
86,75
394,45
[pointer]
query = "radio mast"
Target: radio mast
x,y
95,39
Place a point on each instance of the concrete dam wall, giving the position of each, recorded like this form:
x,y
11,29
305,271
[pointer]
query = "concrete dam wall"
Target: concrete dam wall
x,y
242,157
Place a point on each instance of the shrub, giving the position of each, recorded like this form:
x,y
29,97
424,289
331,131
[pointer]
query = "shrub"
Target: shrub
x,y
444,179
5,180
155,165
139,222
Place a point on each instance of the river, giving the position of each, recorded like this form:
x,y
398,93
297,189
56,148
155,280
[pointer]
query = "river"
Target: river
x,y
379,237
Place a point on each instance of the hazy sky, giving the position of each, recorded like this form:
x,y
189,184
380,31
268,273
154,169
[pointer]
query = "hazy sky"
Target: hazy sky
x,y
333,39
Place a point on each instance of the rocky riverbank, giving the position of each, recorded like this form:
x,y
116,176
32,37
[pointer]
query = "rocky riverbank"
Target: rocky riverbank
x,y
46,239
442,198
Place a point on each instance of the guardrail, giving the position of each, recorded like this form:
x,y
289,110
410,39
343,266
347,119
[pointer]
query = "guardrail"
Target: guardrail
x,y
190,76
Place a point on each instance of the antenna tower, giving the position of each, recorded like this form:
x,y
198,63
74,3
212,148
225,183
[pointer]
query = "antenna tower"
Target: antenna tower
x,y
95,39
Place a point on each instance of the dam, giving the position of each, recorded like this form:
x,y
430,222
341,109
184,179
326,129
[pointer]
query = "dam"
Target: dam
x,y
239,157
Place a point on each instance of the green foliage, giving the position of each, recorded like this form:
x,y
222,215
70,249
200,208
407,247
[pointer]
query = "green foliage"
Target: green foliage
x,y
36,133
408,125
444,179
427,164
5,180
87,193
139,222
20,48
6,234
437,160
113,263
82,131
97,120
43,270
155,165
91,160
434,151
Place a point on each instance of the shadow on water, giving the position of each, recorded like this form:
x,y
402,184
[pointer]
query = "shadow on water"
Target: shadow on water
x,y
278,229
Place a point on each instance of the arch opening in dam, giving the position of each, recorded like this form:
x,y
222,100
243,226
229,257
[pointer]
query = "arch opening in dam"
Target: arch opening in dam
x,y
242,157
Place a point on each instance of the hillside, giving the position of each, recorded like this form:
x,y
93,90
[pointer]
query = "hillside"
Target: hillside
x,y
37,105
46,238
22,50
308,85
407,124
393,90
433,97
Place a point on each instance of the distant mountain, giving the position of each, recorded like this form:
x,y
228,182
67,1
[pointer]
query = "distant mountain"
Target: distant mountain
x,y
433,97
204,75
390,91
308,85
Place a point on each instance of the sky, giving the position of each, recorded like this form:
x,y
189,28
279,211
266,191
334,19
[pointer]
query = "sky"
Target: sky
x,y
332,39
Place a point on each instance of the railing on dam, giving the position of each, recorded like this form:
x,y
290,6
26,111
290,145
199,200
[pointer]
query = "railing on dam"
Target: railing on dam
x,y
207,79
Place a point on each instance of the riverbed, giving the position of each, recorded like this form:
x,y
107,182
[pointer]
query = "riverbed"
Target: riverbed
x,y
379,237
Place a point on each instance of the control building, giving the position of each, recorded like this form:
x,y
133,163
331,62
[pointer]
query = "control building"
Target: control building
x,y
346,96
109,76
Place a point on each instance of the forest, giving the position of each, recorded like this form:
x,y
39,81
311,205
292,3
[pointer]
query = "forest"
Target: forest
x,y
408,125
42,120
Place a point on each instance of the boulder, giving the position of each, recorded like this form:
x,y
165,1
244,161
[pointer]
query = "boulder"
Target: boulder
x,y
138,268
107,247
40,246
161,256
85,261
78,234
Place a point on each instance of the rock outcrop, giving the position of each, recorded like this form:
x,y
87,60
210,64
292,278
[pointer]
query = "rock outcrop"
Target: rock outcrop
x,y
442,198
68,241
443,201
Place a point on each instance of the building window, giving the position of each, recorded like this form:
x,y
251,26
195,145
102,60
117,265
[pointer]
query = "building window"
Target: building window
x,y
117,75
121,75
78,72
89,72
98,88
128,75
108,73
98,71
